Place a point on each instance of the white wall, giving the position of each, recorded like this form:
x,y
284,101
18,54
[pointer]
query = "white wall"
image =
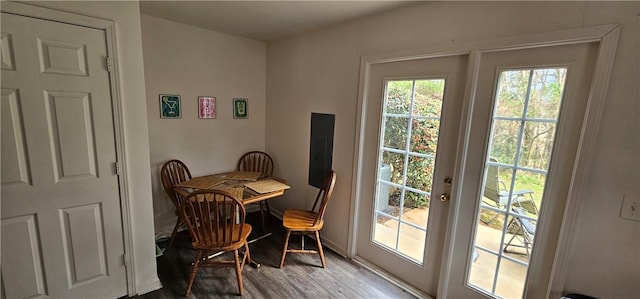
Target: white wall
x,y
126,15
319,72
605,259
191,62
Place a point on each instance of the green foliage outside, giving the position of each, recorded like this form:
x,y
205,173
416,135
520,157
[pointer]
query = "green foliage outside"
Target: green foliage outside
x,y
424,117
419,123
545,92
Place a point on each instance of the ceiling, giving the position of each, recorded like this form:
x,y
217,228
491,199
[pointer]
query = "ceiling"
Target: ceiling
x,y
264,20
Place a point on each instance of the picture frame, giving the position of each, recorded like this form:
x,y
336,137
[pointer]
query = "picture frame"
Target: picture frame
x,y
206,107
240,108
170,106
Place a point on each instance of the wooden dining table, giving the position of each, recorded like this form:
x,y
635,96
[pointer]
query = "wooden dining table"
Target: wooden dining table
x,y
250,187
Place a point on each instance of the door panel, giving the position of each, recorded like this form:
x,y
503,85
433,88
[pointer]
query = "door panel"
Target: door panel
x,y
15,163
58,151
70,122
20,234
84,242
468,278
401,218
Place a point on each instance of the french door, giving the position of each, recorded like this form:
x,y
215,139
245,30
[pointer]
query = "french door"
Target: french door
x,y
466,163
533,93
412,125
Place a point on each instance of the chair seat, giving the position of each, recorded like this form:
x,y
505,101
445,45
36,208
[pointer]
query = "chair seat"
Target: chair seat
x,y
308,221
526,223
299,220
516,197
207,244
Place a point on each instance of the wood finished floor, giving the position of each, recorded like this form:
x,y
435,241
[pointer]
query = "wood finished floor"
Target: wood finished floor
x,y
301,277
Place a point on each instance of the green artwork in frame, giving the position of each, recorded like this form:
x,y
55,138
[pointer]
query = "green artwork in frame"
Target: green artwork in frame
x,y
170,106
240,108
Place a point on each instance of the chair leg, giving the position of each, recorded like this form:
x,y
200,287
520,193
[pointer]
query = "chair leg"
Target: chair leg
x,y
320,251
527,244
509,243
238,271
525,240
284,251
196,265
174,232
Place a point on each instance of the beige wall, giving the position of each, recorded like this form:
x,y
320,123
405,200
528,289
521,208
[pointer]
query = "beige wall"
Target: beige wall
x,y
191,62
319,72
126,15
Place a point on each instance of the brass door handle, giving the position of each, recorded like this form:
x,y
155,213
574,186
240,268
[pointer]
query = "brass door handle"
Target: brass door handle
x,y
444,196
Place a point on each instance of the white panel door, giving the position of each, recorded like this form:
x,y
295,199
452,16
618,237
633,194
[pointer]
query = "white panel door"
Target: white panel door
x,y
411,128
61,223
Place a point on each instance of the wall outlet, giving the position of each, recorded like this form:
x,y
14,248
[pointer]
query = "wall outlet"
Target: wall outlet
x,y
630,208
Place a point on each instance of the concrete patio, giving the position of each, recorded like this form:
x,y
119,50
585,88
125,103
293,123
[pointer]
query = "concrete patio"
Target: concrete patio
x,y
511,275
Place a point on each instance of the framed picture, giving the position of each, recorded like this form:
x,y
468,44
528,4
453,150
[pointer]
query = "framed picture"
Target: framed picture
x,y
170,106
240,108
206,107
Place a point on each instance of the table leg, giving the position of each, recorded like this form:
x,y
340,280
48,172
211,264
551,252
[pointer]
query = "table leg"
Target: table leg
x,y
253,263
259,238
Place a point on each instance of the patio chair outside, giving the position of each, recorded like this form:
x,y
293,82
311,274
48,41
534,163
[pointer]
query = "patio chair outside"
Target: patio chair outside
x,y
496,193
523,230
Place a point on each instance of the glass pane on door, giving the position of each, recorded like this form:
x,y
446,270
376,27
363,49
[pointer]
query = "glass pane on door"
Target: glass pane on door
x,y
407,153
523,128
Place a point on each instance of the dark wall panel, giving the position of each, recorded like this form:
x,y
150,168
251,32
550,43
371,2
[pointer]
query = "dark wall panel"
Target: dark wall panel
x,y
321,147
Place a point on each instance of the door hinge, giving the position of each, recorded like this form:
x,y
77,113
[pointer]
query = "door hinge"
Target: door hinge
x,y
116,168
108,59
124,260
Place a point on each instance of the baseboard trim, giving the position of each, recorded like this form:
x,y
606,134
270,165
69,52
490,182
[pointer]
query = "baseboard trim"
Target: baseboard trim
x,y
332,246
277,213
327,243
148,287
391,278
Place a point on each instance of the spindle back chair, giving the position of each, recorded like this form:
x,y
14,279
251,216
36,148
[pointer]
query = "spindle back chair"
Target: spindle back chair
x,y
216,222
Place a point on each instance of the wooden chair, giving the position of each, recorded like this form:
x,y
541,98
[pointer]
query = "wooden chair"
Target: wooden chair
x,y
216,222
305,222
258,161
174,172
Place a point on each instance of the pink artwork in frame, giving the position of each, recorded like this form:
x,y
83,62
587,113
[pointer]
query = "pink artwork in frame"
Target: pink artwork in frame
x,y
206,107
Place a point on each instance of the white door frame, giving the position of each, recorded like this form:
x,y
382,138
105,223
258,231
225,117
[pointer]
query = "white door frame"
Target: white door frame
x,y
109,29
607,38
